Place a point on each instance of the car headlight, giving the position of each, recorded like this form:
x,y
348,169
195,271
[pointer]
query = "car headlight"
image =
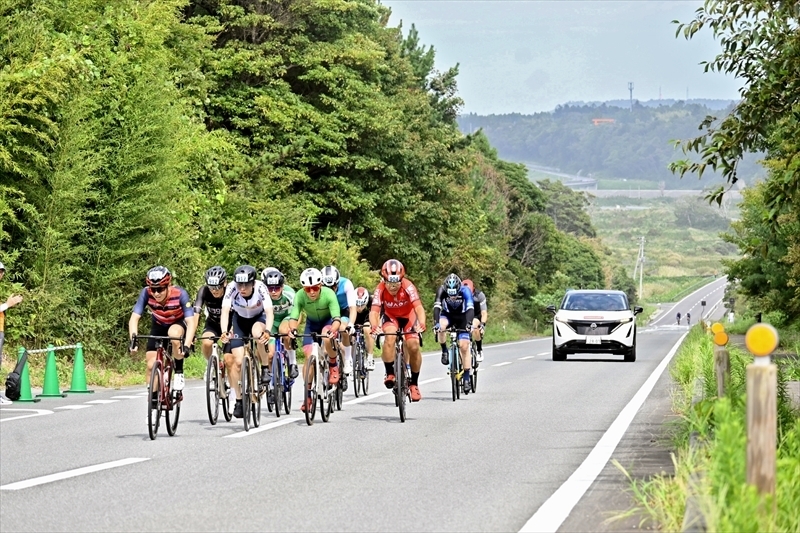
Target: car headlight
x,y
626,320
560,319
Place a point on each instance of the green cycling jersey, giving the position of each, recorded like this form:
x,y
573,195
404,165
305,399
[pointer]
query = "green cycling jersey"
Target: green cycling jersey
x,y
320,310
282,307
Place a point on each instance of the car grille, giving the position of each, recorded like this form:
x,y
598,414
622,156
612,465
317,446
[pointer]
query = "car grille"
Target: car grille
x,y
584,327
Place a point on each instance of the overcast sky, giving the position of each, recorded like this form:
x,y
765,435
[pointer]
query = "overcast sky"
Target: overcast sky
x,y
527,56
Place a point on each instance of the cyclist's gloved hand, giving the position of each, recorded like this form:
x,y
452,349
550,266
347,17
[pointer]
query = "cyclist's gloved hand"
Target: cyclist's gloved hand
x,y
437,327
134,346
264,339
351,329
187,351
292,333
483,328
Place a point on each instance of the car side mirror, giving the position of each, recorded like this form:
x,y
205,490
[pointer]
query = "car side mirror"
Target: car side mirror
x,y
637,310
551,308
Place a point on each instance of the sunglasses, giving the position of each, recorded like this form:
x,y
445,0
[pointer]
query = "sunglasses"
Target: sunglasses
x,y
157,290
316,288
274,288
216,287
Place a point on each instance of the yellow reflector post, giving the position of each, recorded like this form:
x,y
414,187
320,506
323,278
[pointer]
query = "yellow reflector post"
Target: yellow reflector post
x,y
717,327
761,339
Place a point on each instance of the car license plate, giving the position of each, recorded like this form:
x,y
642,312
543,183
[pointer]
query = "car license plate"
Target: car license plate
x,y
592,339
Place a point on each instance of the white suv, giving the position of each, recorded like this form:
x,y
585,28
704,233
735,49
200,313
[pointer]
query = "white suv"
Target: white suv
x,y
594,321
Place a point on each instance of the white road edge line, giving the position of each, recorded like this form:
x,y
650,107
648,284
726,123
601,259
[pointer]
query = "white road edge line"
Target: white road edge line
x,y
71,473
553,512
543,353
102,402
526,357
74,407
504,363
279,423
125,397
372,396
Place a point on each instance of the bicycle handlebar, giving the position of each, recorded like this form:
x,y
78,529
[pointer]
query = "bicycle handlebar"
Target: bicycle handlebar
x,y
135,344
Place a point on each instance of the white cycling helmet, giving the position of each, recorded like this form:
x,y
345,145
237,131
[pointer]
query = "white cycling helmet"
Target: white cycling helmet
x,y
311,277
330,276
362,295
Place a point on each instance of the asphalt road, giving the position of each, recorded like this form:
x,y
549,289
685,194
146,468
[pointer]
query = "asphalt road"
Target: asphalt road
x,y
493,461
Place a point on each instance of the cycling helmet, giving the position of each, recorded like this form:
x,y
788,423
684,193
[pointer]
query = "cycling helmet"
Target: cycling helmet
x,y
362,297
330,276
468,283
272,277
2,267
393,271
244,274
216,276
311,277
452,284
158,276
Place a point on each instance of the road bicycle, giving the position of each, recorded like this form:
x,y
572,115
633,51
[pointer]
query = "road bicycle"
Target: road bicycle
x,y
402,372
280,386
455,368
218,388
318,389
168,400
360,371
688,320
473,375
250,382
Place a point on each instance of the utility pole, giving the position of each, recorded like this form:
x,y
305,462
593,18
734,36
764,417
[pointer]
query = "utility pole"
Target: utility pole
x,y
640,265
630,89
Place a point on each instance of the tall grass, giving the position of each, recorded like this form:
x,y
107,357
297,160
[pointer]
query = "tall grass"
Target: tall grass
x,y
726,501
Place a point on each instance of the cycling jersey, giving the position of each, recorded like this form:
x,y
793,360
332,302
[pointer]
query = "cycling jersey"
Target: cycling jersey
x,y
212,303
401,305
479,299
362,317
174,309
460,304
282,307
345,294
324,308
246,307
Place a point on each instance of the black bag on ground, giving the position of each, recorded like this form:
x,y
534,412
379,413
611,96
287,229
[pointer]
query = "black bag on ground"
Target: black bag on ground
x,y
13,381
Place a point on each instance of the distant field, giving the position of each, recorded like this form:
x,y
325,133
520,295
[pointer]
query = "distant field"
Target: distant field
x,y
676,255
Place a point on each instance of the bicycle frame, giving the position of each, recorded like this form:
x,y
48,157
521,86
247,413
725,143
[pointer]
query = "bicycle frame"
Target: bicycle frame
x,y
455,368
161,375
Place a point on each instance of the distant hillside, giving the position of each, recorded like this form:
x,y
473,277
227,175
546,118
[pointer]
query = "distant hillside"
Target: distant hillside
x,y
710,103
625,144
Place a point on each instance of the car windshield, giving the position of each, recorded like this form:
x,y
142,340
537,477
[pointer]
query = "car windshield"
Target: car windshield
x,y
595,302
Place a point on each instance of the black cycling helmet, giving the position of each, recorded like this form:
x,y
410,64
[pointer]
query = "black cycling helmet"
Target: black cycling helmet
x,y
330,276
216,276
452,284
272,277
158,276
244,274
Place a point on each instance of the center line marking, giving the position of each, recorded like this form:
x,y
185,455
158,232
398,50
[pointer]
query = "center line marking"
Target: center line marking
x,y
71,473
126,397
253,431
102,401
543,353
36,412
371,396
526,357
74,407
503,363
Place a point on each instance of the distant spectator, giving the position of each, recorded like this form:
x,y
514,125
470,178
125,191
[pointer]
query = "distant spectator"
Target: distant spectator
x,y
730,317
11,302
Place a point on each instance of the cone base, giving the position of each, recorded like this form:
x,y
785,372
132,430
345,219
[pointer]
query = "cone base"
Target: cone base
x,y
59,395
79,391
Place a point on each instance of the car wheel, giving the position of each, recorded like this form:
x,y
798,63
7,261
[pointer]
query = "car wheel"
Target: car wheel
x,y
558,355
630,355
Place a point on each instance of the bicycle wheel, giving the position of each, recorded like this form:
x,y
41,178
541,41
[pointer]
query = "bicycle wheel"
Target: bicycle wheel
x,y
365,379
325,395
453,374
173,411
212,389
357,368
277,380
400,385
287,392
258,394
246,393
154,412
473,376
310,398
228,401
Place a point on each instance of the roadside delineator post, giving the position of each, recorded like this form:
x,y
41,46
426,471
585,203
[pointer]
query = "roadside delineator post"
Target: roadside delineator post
x,y
762,408
78,373
50,387
722,361
25,394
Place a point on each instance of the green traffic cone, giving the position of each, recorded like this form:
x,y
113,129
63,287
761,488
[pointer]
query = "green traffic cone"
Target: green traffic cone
x,y
78,373
50,388
25,381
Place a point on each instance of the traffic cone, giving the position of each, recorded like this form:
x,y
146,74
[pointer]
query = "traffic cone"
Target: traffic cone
x,y
78,373
25,381
50,388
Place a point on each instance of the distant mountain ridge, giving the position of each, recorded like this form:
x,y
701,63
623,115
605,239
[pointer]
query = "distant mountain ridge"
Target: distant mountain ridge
x,y
711,103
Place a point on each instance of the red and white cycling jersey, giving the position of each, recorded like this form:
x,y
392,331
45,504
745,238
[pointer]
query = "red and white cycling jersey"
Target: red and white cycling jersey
x,y
401,305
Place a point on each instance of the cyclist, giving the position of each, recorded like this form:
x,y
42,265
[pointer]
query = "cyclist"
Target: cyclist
x,y
454,306
171,315
210,295
688,318
322,317
246,311
396,306
479,322
346,296
679,319
363,304
282,296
